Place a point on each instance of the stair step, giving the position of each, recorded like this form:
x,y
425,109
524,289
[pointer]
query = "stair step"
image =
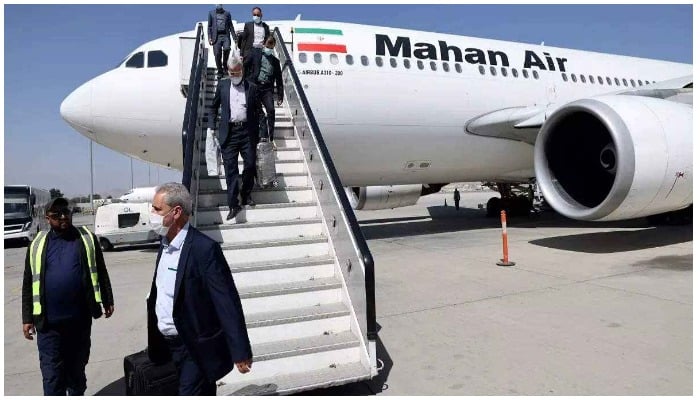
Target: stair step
x,y
217,198
299,322
284,264
260,213
303,354
335,374
259,231
284,273
283,180
290,295
281,156
275,250
282,142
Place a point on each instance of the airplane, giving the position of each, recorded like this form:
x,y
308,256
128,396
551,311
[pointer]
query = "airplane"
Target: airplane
x,y
139,195
404,112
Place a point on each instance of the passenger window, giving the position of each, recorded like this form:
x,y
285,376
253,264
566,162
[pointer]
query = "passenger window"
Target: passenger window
x,y
607,79
349,60
317,58
634,84
639,81
515,73
504,71
302,58
446,67
535,74
157,59
600,80
364,60
379,61
458,68
128,220
493,71
617,82
482,70
573,78
564,77
583,79
433,66
393,63
136,61
646,82
334,59
420,64
407,63
624,81
591,79
526,74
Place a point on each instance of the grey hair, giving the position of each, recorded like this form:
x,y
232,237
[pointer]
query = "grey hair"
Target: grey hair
x,y
176,194
233,60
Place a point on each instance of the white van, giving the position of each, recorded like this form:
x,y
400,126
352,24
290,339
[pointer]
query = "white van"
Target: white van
x,y
124,223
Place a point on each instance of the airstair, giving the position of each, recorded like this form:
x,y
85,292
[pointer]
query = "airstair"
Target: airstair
x,y
300,263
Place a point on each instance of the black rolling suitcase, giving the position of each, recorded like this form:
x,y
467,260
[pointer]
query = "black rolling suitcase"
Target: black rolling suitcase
x,y
144,378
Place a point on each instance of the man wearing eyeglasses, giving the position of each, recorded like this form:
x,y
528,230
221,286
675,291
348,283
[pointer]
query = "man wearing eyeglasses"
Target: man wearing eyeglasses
x,y
65,285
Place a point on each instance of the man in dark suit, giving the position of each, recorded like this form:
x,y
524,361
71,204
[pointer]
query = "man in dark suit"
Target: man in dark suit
x,y
236,134
195,315
220,29
255,32
265,76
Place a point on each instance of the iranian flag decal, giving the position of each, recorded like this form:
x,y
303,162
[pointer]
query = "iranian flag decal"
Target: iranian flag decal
x,y
321,40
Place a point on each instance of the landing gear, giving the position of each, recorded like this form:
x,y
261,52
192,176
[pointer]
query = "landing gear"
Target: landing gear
x,y
515,204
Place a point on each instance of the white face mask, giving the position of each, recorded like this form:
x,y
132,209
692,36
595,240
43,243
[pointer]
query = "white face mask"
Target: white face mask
x,y
236,80
157,223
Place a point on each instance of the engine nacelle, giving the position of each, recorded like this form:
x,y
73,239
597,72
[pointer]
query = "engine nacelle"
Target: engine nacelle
x,y
616,157
383,197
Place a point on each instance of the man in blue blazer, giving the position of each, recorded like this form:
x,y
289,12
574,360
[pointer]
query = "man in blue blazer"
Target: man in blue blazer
x,y
220,29
195,317
237,133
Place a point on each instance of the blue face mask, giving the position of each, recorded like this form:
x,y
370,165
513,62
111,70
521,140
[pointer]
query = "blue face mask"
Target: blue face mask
x,y
256,19
267,51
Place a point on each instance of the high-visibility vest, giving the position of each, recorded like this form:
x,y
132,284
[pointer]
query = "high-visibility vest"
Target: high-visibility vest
x,y
36,252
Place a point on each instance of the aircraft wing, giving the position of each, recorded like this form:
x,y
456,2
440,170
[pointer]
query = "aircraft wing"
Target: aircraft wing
x,y
524,123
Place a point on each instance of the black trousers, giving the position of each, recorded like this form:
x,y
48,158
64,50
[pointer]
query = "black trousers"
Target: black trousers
x,y
238,142
64,350
263,96
223,42
193,382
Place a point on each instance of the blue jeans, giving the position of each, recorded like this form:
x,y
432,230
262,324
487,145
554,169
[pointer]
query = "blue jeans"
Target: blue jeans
x,y
192,379
64,350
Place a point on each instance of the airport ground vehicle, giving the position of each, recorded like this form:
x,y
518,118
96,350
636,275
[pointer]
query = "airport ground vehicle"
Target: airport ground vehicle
x,y
24,211
124,224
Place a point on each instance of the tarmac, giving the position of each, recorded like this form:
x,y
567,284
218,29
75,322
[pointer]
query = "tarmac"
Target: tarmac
x,y
588,308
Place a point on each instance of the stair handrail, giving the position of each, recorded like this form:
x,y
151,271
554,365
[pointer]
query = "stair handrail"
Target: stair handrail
x,y
362,252
192,122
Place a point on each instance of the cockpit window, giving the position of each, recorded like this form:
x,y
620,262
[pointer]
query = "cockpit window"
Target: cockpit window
x,y
157,59
136,61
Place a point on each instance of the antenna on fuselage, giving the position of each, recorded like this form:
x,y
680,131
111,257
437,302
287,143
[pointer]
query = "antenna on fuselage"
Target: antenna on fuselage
x,y
298,18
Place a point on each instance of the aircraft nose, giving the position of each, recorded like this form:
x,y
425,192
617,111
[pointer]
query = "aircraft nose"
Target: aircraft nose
x,y
75,109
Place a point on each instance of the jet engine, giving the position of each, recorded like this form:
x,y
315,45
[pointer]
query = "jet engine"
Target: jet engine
x,y
616,157
386,197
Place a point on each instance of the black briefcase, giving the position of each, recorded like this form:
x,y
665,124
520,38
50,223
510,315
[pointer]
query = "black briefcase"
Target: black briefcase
x,y
144,378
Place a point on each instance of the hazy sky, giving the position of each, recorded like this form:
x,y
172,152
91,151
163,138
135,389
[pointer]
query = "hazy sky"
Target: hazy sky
x,y
52,49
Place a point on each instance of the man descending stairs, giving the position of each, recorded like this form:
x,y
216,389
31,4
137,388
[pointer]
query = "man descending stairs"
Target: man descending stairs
x,y
302,326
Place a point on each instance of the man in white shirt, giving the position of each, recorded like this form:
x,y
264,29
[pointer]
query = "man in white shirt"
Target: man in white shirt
x,y
195,317
236,130
255,32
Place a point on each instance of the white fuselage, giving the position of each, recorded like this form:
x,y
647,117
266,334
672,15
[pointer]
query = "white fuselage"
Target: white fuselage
x,y
376,120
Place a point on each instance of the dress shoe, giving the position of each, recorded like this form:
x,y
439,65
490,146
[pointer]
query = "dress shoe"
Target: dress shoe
x,y
233,212
249,202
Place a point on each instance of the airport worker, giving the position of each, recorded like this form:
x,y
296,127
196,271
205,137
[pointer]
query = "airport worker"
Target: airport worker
x,y
195,317
265,77
65,286
252,40
220,29
235,134
457,197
